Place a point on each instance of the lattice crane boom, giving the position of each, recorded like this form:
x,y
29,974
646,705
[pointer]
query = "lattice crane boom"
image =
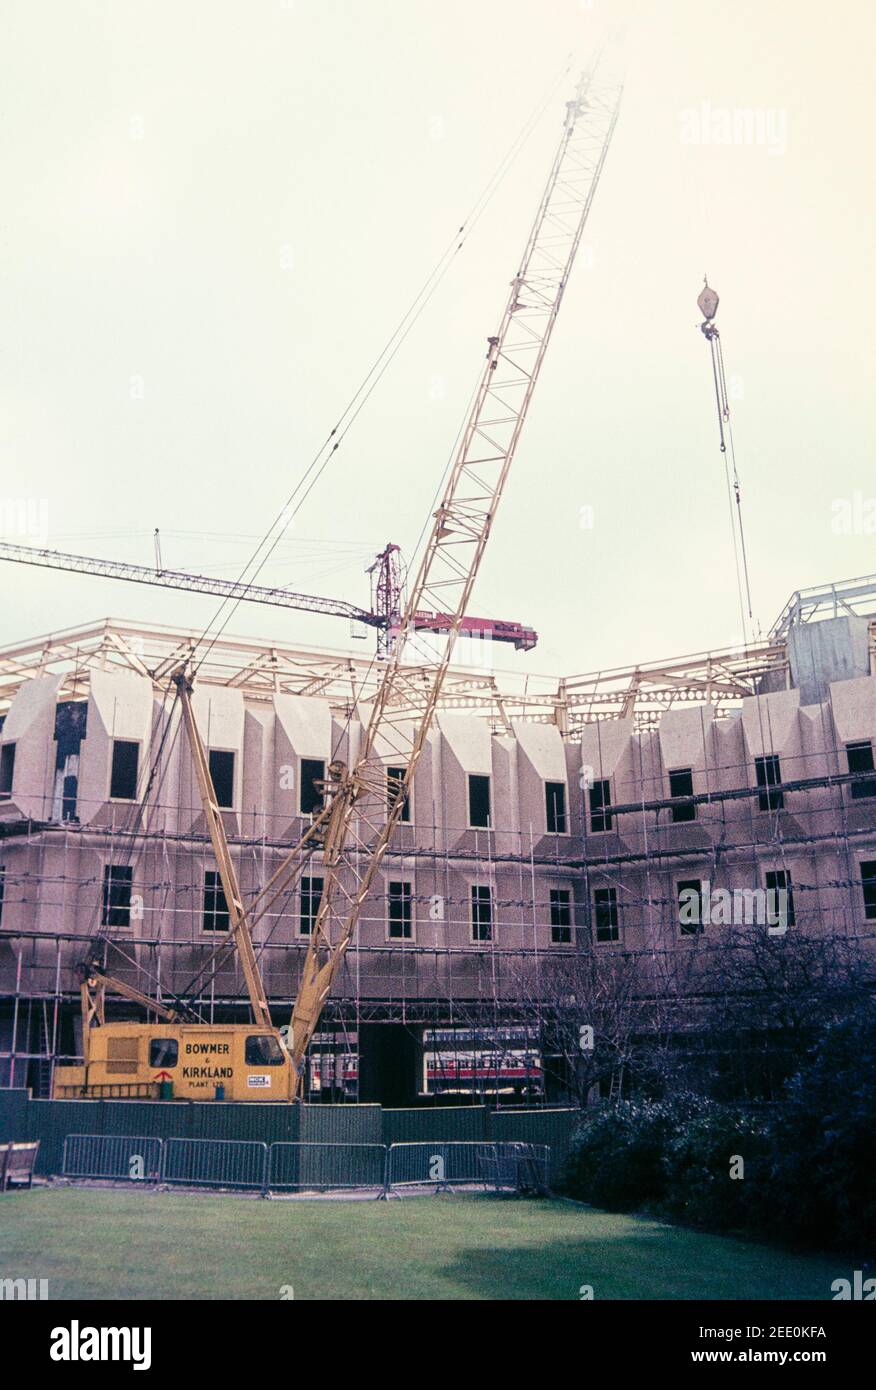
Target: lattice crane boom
x,y
237,915
362,809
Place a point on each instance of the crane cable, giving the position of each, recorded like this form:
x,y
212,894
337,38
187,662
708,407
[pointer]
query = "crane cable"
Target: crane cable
x,y
356,403
708,303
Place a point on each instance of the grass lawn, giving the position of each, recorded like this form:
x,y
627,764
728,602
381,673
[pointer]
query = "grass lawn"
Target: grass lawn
x,y
92,1243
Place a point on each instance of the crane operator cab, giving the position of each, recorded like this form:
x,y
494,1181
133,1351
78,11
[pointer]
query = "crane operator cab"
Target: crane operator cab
x,y
179,1061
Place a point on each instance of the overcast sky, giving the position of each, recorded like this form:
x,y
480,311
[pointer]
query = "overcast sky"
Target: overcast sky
x,y
215,214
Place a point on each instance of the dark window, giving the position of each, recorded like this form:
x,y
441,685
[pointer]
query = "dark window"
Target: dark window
x,y
69,797
600,805
779,881
312,772
769,776
310,897
868,887
605,914
222,774
400,911
71,718
216,916
690,906
123,778
479,801
561,916
163,1052
394,776
860,756
117,880
681,784
263,1050
555,799
481,912
7,769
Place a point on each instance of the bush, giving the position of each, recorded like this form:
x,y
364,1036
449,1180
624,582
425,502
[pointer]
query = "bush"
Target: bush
x,y
615,1160
704,1182
808,1159
821,1170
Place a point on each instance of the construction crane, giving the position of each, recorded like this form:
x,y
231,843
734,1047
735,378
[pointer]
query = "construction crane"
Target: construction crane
x,y
198,1060
361,808
384,614
362,804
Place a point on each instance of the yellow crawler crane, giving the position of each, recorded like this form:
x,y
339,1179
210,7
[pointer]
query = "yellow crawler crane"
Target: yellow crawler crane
x,y
361,809
181,1057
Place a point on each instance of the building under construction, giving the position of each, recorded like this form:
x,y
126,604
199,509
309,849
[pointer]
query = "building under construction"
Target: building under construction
x,y
447,880
544,825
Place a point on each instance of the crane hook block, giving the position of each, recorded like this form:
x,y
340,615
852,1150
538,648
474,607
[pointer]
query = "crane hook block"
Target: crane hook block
x,y
708,302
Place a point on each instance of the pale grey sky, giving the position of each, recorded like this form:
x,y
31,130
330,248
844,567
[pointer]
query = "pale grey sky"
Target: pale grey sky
x,y
216,212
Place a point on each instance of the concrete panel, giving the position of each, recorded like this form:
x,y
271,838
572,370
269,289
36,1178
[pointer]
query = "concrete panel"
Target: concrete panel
x,y
541,758
834,649
686,736
466,749
307,725
303,729
469,740
853,704
30,725
219,715
257,781
771,723
120,705
543,747
605,744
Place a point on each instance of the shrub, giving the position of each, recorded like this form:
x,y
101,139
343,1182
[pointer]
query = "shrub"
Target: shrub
x,y
821,1167
616,1154
704,1182
808,1159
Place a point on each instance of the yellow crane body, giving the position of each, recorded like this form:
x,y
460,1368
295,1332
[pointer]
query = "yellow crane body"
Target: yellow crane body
x,y
180,1061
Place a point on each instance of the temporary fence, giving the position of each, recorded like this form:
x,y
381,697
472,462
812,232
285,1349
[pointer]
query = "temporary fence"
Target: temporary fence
x,y
439,1165
116,1156
517,1167
215,1163
52,1121
311,1166
284,1167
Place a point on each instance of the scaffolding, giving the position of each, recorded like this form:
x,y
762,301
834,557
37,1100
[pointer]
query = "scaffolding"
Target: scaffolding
x,y
477,1001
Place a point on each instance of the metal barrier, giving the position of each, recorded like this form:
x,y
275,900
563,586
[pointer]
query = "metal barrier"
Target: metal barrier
x,y
515,1166
309,1166
439,1165
216,1163
519,1166
131,1157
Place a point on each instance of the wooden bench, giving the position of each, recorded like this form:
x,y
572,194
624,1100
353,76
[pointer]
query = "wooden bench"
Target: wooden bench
x,y
17,1162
